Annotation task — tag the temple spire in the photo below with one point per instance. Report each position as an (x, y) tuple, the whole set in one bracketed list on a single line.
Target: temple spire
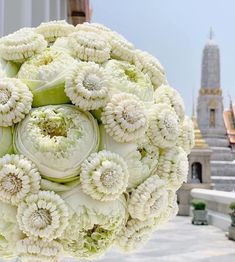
[(211, 34)]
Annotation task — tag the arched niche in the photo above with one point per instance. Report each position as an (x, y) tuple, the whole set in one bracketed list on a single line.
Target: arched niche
[(196, 172)]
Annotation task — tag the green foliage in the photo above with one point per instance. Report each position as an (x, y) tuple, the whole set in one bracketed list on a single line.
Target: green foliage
[(198, 204), (232, 207)]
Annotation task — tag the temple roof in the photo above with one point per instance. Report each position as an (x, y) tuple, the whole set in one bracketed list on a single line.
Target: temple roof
[(210, 75)]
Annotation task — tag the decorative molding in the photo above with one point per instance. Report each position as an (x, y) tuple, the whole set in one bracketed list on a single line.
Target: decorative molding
[(210, 91)]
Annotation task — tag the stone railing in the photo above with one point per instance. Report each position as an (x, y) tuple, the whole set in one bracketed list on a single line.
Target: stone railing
[(217, 204)]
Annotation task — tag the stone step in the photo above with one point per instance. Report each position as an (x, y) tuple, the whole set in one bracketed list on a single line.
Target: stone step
[(223, 168), (223, 183), (222, 154)]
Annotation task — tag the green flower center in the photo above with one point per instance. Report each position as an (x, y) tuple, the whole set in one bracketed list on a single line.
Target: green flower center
[(11, 183), (131, 75), (41, 218), (4, 96), (53, 127)]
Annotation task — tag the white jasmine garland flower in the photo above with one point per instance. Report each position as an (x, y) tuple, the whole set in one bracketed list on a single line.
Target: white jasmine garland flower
[(93, 27), (98, 226), (18, 178), (62, 134), (149, 199), (163, 128), (15, 101), (87, 86), (45, 75), (6, 141), (89, 46), (104, 176), (120, 48), (168, 95), (38, 250), (186, 137), (129, 79), (43, 215), (135, 234), (170, 212), (173, 167), (124, 118), (9, 231), (21, 45), (54, 29), (150, 65)]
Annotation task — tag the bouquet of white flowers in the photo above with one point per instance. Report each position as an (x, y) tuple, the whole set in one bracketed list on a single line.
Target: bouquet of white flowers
[(93, 143)]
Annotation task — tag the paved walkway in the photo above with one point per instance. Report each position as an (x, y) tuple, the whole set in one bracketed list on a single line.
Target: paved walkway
[(180, 241)]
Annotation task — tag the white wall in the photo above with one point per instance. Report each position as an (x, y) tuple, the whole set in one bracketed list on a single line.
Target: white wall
[(15, 14)]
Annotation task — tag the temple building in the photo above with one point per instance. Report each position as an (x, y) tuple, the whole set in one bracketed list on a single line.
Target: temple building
[(79, 11), (211, 122), (229, 120)]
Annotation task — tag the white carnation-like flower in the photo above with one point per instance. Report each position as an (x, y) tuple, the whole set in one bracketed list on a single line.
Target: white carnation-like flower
[(135, 234), (9, 231), (15, 101), (168, 95), (21, 45), (173, 167), (54, 29), (38, 250), (124, 118), (104, 176), (93, 225), (149, 65), (149, 199), (87, 86), (43, 215), (186, 137), (93, 27), (18, 178), (89, 46), (163, 128), (125, 77)]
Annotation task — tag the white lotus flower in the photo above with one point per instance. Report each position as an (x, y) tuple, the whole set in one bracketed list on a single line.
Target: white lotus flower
[(125, 77), (45, 75), (54, 29), (186, 137), (163, 128), (124, 118), (173, 167), (98, 226), (38, 250), (15, 101), (104, 176), (21, 45), (168, 95), (8, 68), (149, 65), (9, 231), (6, 141), (135, 234), (62, 134), (89, 46), (43, 215), (87, 86), (18, 178), (149, 199), (149, 153)]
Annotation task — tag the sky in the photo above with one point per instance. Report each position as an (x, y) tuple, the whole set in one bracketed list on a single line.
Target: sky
[(176, 32)]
